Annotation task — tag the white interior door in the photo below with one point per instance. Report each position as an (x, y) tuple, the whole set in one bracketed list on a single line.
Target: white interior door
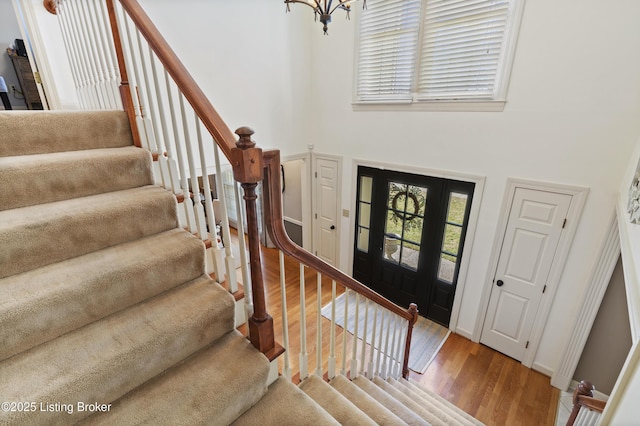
[(326, 210), (534, 228)]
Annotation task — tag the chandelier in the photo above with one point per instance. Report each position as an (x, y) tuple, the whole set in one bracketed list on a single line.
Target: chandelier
[(322, 9)]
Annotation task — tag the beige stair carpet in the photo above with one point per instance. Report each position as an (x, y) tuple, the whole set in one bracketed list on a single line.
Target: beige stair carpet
[(430, 413), (285, 405), (42, 304), (213, 387), (340, 408), (390, 402), (378, 412)]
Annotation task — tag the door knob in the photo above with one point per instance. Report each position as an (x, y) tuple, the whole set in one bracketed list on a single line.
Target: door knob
[(333, 227), (499, 283)]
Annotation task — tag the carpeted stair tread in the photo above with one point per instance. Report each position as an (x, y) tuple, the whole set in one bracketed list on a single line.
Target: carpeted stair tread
[(212, 387), (377, 412), (285, 405), (343, 410), (40, 235), (44, 303), (390, 402), (39, 132), (107, 358), (434, 398), (431, 414), (71, 175)]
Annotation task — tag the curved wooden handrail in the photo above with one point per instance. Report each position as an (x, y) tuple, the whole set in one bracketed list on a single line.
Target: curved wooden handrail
[(51, 6), (195, 96), (275, 226), (583, 397), (592, 403)]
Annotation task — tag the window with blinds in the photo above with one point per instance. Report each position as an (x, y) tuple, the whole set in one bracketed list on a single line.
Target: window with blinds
[(430, 50)]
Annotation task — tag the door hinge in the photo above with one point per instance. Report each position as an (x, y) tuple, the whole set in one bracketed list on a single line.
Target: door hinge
[(316, 175), (36, 76), (544, 288), (564, 223), (527, 345), (316, 215)]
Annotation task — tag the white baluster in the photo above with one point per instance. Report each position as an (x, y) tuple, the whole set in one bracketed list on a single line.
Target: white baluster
[(380, 336), (343, 370), (229, 260), (98, 54), (354, 346), (90, 99), (286, 372), (110, 53), (319, 327), (151, 117), (331, 372), (188, 211), (373, 341), (208, 201), (165, 154), (363, 350), (139, 92), (404, 328), (386, 358), (90, 55), (392, 353), (168, 166), (71, 54), (195, 186), (244, 264), (304, 357)]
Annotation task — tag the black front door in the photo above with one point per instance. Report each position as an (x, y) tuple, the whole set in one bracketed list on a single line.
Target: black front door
[(408, 233)]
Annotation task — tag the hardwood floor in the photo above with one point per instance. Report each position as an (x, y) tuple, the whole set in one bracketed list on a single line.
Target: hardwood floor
[(492, 387)]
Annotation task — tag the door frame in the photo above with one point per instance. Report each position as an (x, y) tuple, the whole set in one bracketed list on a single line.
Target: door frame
[(306, 185), (467, 244), (314, 202), (27, 19), (578, 200)]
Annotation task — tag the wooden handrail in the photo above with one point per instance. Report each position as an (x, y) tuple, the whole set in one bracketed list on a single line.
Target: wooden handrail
[(275, 225), (592, 403), (195, 96), (278, 234), (583, 397)]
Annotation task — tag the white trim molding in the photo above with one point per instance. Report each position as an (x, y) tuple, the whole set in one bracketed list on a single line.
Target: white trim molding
[(563, 375)]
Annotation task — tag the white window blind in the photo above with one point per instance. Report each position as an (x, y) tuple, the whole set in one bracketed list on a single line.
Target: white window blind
[(433, 49), (388, 46)]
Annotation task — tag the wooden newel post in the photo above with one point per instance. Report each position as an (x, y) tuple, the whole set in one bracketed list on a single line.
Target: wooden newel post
[(413, 309), (248, 170), (585, 389)]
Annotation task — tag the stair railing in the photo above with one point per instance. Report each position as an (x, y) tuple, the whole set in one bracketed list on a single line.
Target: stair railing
[(115, 67), (586, 409), (168, 111)]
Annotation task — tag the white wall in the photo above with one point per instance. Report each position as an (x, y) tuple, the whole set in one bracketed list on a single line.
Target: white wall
[(249, 57), (571, 117), (9, 31)]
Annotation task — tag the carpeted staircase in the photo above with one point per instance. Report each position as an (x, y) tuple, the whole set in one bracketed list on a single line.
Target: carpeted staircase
[(107, 315)]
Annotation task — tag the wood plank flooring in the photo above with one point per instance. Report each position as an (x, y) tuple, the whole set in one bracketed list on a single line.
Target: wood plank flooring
[(490, 386)]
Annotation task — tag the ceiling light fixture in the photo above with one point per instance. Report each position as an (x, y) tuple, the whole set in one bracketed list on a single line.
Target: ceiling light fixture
[(323, 9)]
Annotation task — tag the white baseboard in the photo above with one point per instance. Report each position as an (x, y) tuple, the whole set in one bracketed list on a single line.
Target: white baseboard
[(547, 371)]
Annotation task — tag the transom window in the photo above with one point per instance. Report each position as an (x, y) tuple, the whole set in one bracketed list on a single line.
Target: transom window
[(436, 50)]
